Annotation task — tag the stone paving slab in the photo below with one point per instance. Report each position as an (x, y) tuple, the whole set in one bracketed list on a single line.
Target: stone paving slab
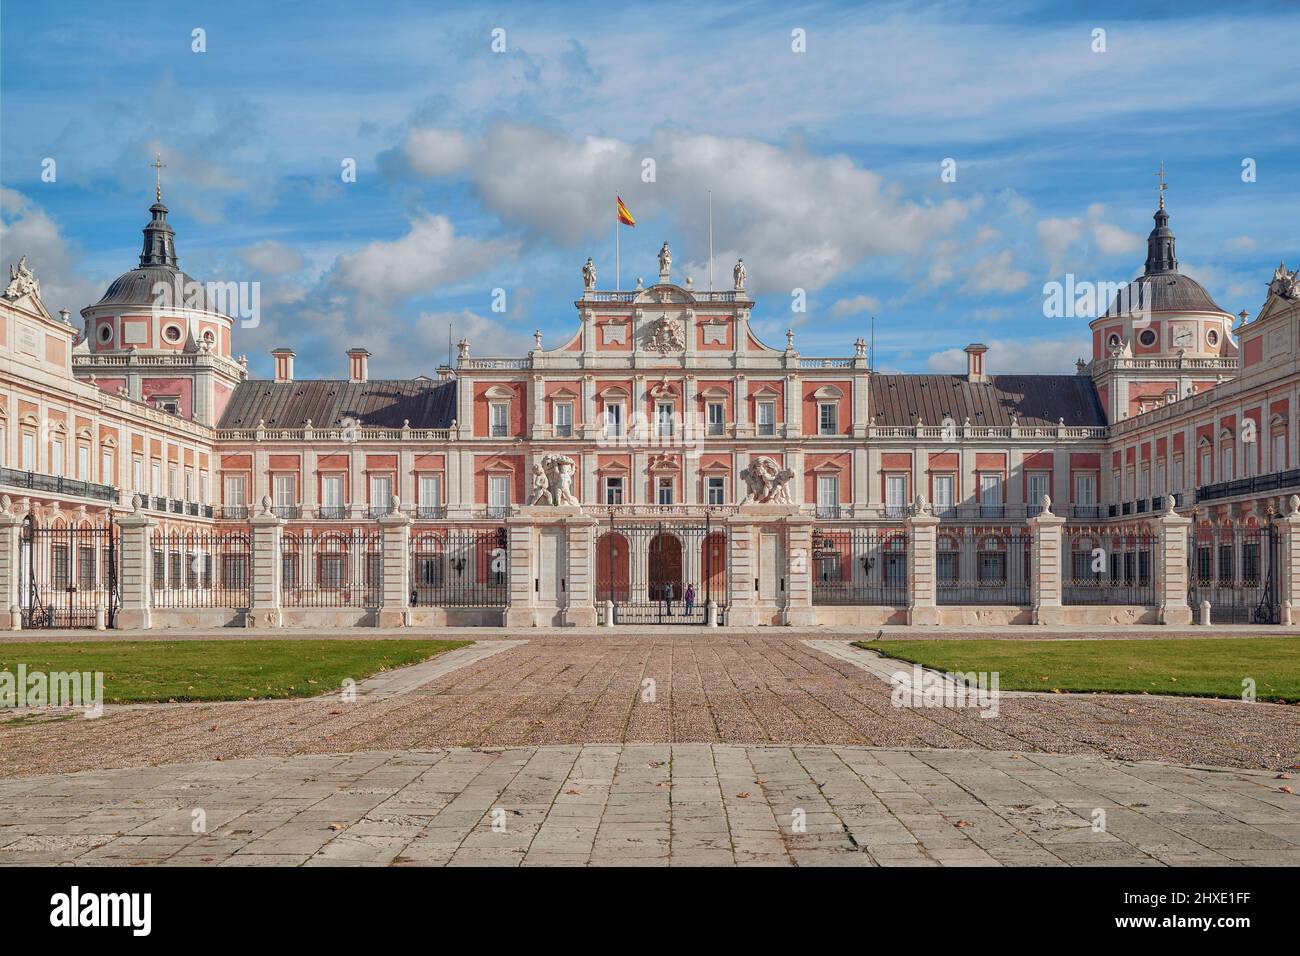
[(653, 804), (651, 688)]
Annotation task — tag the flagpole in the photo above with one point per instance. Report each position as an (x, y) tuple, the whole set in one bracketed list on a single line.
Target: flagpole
[(710, 240), (618, 266)]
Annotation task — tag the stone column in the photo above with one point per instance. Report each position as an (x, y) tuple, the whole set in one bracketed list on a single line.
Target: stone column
[(799, 611), (520, 612), (395, 599), (922, 543), (1173, 533), (580, 610), (1288, 556), (267, 531), (135, 568), (10, 563), (742, 541), (1045, 585)]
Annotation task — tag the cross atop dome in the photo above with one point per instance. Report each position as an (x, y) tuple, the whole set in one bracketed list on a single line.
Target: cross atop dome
[(158, 166)]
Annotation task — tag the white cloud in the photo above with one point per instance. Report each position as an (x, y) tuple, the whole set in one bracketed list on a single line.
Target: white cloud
[(271, 258), (995, 273), (799, 220), (25, 230), (1007, 357), (855, 305), (437, 152), (428, 256), (1241, 243), (1057, 236)]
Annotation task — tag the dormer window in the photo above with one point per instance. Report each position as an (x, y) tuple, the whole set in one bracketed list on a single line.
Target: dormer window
[(168, 403)]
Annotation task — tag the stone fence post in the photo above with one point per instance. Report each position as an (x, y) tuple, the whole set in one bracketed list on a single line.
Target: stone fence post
[(1288, 555), (580, 605), (922, 545), (1173, 534), (1046, 566), (799, 611), (521, 611), (267, 530), (10, 566), (395, 545), (135, 568)]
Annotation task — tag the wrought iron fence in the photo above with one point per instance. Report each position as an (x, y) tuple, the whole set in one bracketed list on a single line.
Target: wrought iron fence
[(665, 573), (975, 565), (1235, 566), (67, 574), (332, 569), (460, 569), (202, 569), (1106, 565), (859, 566)]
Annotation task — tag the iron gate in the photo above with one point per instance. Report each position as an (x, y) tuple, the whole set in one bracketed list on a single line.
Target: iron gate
[(67, 575), (1234, 566), (661, 573)]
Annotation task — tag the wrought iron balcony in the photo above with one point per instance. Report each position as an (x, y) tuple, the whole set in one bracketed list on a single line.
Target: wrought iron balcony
[(234, 512), (1272, 483), (334, 512), (427, 512), (287, 511), (51, 484)]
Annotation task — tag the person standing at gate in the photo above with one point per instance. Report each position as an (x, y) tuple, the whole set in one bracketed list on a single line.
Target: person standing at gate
[(689, 598), (669, 594)]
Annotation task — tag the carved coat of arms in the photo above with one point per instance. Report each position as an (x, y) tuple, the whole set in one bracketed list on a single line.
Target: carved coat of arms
[(666, 336)]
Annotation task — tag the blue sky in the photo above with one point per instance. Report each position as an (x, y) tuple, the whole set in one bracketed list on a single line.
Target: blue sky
[(480, 170)]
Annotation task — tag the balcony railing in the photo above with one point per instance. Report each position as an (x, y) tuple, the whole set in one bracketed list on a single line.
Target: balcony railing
[(287, 511), (1259, 485), (430, 512), (51, 484), (1086, 511), (233, 512), (828, 511), (992, 511), (334, 512)]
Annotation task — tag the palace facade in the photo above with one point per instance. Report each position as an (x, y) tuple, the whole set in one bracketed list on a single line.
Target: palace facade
[(663, 463)]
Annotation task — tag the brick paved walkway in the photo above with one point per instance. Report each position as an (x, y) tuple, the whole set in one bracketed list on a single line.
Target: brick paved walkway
[(655, 804), (558, 689)]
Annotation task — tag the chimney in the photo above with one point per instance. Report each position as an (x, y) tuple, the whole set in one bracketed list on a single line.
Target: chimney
[(357, 365), (283, 364), (975, 362)]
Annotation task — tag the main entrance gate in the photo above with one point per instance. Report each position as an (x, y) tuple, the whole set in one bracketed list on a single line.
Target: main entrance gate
[(661, 573), (1235, 567), (66, 575)]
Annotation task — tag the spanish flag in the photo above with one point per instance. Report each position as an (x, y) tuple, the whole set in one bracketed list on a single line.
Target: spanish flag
[(624, 216)]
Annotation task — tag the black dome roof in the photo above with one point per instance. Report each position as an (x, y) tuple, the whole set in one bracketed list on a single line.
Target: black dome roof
[(158, 263)]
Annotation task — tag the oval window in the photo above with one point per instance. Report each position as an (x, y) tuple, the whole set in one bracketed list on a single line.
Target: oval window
[(1113, 341), (1147, 338), (172, 333), (105, 333), (1212, 337)]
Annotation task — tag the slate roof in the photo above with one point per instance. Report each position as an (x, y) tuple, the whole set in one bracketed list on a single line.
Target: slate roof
[(898, 399), (1163, 292), (380, 403)]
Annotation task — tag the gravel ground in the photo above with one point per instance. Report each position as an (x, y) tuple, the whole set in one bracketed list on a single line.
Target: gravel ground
[(705, 688)]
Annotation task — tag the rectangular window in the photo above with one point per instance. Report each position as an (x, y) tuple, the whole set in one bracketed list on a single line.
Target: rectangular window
[(29, 451), (766, 418), (1038, 488), (1279, 451), (498, 494), (828, 496), (895, 495), (664, 491), (203, 487), (83, 463), (1226, 470), (613, 491), (381, 494), (61, 559), (171, 481), (56, 458), (500, 420), (137, 475), (715, 490), (614, 419), (430, 496), (286, 495), (1117, 486), (943, 494), (155, 478), (189, 484), (1162, 485), (331, 490), (233, 494), (106, 475), (563, 419), (664, 418), (1207, 467), (1248, 454), (333, 570), (990, 496), (717, 418), (1085, 490), (828, 418), (86, 568), (1144, 482), (1178, 474)]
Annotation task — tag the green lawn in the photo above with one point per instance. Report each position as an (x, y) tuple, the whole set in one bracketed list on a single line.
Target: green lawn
[(1201, 668), (137, 671)]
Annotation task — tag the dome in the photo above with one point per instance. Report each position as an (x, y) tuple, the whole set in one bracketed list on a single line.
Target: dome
[(158, 263), (1161, 287), (137, 287), (1163, 292)]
